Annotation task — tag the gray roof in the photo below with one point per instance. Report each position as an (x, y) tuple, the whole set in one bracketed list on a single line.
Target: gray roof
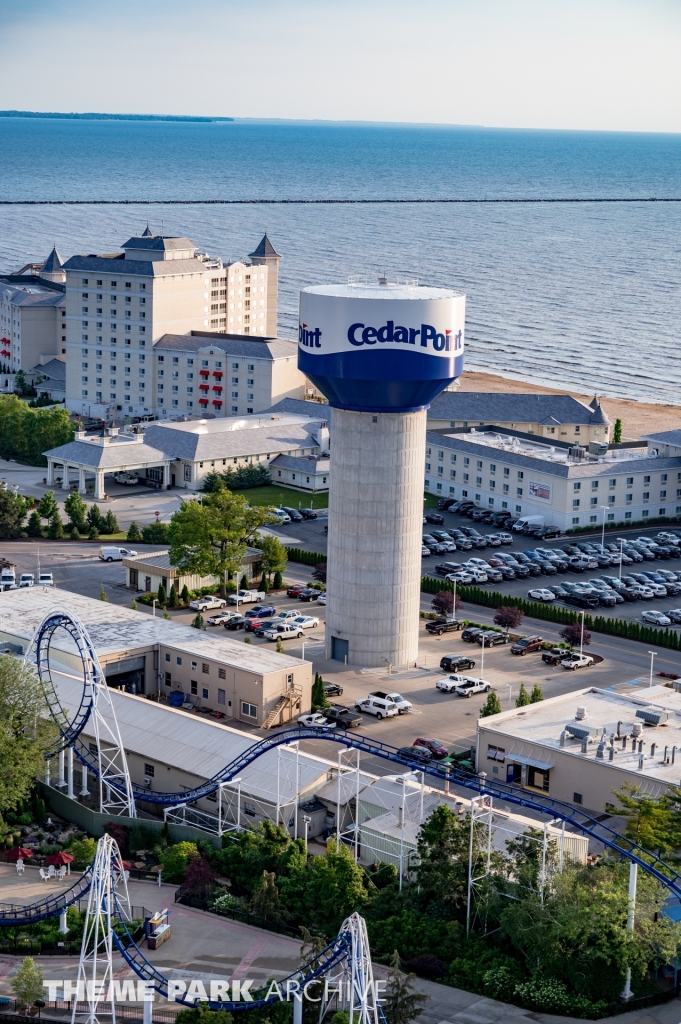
[(53, 263), (159, 243), (302, 408), (666, 437), (147, 233), (306, 464), (55, 370), (264, 248), (216, 439), (463, 443), (116, 264), (496, 407), (109, 457), (230, 344), (161, 559), (30, 295)]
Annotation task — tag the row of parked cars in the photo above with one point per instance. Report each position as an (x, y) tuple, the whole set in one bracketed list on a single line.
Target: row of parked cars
[(285, 514), (532, 526), (441, 542)]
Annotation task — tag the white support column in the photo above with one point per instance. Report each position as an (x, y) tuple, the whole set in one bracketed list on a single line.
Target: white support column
[(99, 484), (82, 489), (61, 782), (83, 789), (69, 791), (65, 477), (63, 927), (166, 476), (50, 472)]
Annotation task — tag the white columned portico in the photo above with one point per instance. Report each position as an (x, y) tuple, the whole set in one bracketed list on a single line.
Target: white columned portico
[(166, 476), (99, 484), (81, 480), (50, 472), (65, 478)]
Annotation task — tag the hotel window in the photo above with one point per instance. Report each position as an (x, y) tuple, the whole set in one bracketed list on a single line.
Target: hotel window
[(478, 464), (452, 458), (492, 467), (427, 467), (594, 485), (466, 461), (507, 471), (506, 488), (519, 492), (646, 495), (646, 479), (478, 481), (520, 474), (575, 502), (611, 499), (612, 483), (663, 494), (663, 478), (628, 497), (630, 482), (576, 487), (452, 474), (594, 501)]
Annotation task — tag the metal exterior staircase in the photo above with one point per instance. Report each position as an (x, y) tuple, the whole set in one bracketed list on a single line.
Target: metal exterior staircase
[(287, 700)]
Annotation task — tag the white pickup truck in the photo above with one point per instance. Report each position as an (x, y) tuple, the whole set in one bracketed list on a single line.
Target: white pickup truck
[(380, 704), (283, 631), (247, 597)]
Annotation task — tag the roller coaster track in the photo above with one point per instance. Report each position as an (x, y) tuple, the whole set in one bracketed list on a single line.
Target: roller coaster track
[(12, 915)]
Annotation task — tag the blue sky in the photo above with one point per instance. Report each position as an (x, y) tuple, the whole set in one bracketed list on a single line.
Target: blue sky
[(590, 64)]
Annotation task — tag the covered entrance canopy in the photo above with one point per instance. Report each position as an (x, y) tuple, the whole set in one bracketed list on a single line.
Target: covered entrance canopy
[(113, 453)]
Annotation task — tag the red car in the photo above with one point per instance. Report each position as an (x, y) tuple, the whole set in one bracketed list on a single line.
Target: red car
[(252, 624), (296, 590), (436, 748)]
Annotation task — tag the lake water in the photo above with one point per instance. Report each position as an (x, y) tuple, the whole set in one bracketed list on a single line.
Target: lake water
[(578, 295)]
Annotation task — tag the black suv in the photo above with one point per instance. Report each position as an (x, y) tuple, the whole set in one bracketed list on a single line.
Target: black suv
[(456, 662), (544, 532), (443, 625), (470, 633), (293, 514), (333, 690), (582, 600), (434, 517), (444, 504), (490, 638)]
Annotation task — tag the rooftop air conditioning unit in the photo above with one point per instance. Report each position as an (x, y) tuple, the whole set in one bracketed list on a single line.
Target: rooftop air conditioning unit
[(577, 452), (599, 448), (653, 716), (581, 732)]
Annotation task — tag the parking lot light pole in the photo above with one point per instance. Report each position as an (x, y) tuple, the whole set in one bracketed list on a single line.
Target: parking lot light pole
[(482, 658), (153, 607), (581, 638), (605, 509), (652, 658), (621, 552)]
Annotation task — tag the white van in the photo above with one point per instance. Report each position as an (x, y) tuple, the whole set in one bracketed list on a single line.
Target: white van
[(109, 553), (520, 524)]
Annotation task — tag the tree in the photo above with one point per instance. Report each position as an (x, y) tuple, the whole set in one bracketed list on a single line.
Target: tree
[(47, 505), (492, 705), (133, 533), (93, 533), (617, 432), (244, 582), (26, 433), (56, 528), (175, 859), (508, 617), (279, 646), (35, 526), (318, 695), (273, 555), (574, 635), (102, 594), (20, 385), (28, 982), (536, 694), (197, 622), (318, 573), (95, 517), (650, 820), (76, 510), (202, 1014), (277, 582), (110, 523), (442, 869), (25, 735), (523, 698), (172, 597), (266, 901), (83, 851), (335, 887), (162, 596), (199, 877), (264, 585), (443, 602), (210, 538), (155, 533), (74, 534), (12, 512), (185, 594), (401, 1003)]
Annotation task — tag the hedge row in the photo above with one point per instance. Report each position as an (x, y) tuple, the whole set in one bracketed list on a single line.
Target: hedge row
[(304, 557), (598, 623), (628, 524)]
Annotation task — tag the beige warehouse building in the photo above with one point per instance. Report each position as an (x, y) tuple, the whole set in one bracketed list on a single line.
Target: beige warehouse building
[(582, 747)]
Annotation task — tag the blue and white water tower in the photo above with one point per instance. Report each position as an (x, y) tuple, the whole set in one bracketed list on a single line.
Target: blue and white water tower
[(380, 354)]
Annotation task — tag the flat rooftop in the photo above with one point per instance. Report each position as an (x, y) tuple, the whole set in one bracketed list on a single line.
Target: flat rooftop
[(122, 631), (533, 732), (545, 450)]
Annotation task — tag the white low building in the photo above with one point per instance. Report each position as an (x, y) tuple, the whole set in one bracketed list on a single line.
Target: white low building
[(569, 485)]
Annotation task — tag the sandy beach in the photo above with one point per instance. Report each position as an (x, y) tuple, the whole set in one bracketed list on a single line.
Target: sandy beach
[(638, 418)]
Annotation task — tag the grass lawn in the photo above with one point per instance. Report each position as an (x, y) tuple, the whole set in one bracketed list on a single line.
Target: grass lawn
[(278, 496), (431, 500)]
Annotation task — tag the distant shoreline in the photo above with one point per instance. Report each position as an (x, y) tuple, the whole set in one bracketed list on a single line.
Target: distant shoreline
[(54, 115)]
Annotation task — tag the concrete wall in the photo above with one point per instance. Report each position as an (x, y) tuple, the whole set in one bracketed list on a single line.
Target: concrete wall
[(375, 526)]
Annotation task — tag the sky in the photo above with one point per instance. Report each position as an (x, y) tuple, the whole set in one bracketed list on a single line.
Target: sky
[(572, 64)]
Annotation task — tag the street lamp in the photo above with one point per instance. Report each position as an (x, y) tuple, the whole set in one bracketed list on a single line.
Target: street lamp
[(605, 509), (153, 606), (581, 638), (621, 553), (652, 658), (306, 821)]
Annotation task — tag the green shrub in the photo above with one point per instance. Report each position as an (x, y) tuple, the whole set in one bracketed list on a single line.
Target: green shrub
[(83, 851), (312, 558), (174, 860), (155, 533), (133, 533), (278, 581), (185, 594)]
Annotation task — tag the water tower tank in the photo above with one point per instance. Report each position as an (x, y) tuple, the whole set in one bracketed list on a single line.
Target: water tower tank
[(380, 354)]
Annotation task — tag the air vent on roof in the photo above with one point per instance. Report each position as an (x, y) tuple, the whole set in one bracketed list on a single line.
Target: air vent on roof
[(651, 716), (581, 732), (581, 714)]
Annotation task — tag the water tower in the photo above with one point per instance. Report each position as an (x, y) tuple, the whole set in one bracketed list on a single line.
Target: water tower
[(380, 354)]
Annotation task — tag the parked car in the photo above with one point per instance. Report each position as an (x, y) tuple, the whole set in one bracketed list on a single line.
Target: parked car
[(675, 615), (470, 633), (285, 616), (554, 656), (322, 597), (45, 579), (204, 604), (544, 532), (450, 683), (308, 513), (246, 597), (111, 553), (526, 644), (443, 625), (415, 754), (437, 749), (425, 552), (296, 589), (292, 513), (471, 686), (265, 611), (236, 622), (457, 662), (282, 631), (343, 717), (315, 721), (582, 600), (373, 705), (491, 638), (460, 576), (309, 594), (27, 579), (434, 517), (541, 595), (333, 690), (219, 618), (256, 626), (305, 621), (655, 618), (575, 660), (281, 516)]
